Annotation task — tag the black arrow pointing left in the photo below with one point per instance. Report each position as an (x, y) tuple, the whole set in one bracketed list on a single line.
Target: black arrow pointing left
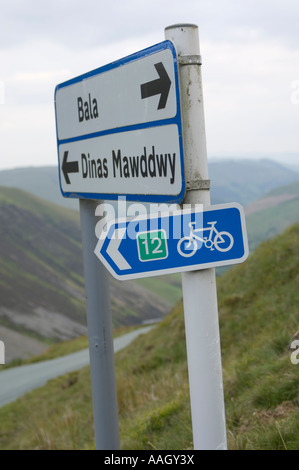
[(68, 167)]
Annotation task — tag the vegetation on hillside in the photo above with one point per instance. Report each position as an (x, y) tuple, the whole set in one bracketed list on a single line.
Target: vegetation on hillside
[(267, 222), (244, 181), (40, 257), (41, 273), (258, 306)]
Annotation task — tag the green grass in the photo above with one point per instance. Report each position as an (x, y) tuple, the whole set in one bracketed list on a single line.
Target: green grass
[(258, 305), (27, 201), (41, 260), (267, 223), (258, 308), (292, 188), (168, 287), (57, 416)]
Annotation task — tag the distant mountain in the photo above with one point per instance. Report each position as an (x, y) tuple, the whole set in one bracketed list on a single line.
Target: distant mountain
[(240, 181), (41, 275), (272, 213), (40, 181), (244, 181)]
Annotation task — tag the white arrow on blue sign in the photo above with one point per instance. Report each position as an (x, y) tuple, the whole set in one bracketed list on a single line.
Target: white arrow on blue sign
[(183, 240)]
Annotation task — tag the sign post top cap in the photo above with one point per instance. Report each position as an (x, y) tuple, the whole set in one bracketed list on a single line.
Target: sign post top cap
[(181, 25)]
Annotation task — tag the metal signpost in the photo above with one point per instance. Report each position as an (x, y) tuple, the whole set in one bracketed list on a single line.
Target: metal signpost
[(199, 287), (100, 337), (119, 133), (182, 241), (119, 130)]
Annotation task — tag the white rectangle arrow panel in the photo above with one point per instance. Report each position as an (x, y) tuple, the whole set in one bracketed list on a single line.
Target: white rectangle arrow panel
[(109, 118), (128, 163), (111, 97)]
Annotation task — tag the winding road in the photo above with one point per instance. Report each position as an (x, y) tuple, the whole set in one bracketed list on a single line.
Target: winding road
[(17, 381)]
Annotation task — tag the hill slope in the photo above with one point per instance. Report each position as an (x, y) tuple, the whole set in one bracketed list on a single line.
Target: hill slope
[(40, 266), (258, 305), (258, 308), (244, 181), (41, 276), (43, 182), (272, 213), (236, 180)]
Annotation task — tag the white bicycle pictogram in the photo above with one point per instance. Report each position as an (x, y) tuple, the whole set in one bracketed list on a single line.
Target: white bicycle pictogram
[(187, 246)]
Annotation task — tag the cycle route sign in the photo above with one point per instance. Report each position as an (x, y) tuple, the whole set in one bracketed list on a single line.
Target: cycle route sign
[(183, 240)]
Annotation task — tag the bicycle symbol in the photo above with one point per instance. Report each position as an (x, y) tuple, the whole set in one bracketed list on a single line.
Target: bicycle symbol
[(222, 241)]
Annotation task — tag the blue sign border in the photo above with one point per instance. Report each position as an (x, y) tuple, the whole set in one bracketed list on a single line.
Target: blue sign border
[(231, 217), (163, 122)]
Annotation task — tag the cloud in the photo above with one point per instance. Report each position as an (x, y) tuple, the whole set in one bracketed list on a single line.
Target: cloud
[(248, 103), (250, 56), (74, 24), (27, 136), (80, 25)]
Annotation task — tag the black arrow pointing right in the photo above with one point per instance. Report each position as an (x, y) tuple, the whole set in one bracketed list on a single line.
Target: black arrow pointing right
[(68, 167), (161, 86)]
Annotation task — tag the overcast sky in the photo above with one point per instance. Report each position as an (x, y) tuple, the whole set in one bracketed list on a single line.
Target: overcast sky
[(250, 52)]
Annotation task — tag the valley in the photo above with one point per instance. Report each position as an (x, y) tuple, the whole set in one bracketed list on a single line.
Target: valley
[(42, 282)]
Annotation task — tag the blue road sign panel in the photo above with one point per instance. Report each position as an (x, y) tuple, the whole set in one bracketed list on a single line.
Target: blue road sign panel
[(174, 242), (119, 130)]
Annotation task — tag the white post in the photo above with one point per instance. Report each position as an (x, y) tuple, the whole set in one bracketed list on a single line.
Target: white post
[(199, 287)]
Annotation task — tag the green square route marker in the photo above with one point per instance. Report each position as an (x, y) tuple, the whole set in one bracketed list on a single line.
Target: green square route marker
[(152, 245)]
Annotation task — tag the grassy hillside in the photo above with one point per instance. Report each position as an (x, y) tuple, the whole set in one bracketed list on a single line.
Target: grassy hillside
[(244, 181), (43, 182), (258, 306), (272, 214), (42, 290), (270, 189), (232, 180), (40, 261)]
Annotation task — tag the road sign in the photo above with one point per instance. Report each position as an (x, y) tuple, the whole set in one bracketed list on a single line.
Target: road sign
[(119, 129), (174, 242)]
